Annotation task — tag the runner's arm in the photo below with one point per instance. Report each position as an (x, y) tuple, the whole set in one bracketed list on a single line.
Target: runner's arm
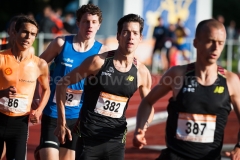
[(48, 55), (54, 48), (146, 105), (90, 66), (144, 89), (234, 87), (44, 83)]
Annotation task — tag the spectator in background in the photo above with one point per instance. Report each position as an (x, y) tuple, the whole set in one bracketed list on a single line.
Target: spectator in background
[(58, 29), (69, 23), (221, 19), (46, 25), (159, 34), (181, 35), (232, 35), (231, 30), (31, 15), (170, 44)]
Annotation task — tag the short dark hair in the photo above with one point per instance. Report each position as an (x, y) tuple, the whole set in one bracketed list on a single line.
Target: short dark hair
[(89, 8), (13, 19), (203, 23), (130, 18), (24, 19)]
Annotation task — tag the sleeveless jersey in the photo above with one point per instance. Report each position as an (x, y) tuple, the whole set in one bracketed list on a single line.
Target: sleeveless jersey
[(23, 76), (64, 63), (197, 118), (105, 102)]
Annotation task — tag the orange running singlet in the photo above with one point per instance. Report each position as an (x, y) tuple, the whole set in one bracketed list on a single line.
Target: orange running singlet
[(23, 76)]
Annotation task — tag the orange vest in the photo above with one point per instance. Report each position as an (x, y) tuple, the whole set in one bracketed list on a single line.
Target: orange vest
[(23, 76)]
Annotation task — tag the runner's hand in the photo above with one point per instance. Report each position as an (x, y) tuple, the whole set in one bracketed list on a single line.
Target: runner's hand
[(234, 155), (10, 92), (61, 132), (35, 116), (139, 139)]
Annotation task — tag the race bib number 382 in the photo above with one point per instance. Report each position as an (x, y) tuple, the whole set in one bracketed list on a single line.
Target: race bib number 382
[(16, 105), (110, 105), (196, 127)]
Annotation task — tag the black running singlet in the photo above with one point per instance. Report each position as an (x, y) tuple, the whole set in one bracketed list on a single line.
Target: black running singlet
[(105, 101), (197, 118)]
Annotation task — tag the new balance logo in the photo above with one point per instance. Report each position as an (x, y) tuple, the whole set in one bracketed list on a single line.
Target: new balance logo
[(130, 78), (219, 89)]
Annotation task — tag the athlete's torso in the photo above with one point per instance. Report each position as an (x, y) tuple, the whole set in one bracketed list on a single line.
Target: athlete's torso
[(197, 118), (64, 63), (106, 99), (22, 75)]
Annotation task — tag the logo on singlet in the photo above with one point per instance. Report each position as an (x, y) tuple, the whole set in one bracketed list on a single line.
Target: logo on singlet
[(26, 81), (111, 70), (68, 60), (8, 71), (191, 87), (106, 74), (219, 89), (130, 78)]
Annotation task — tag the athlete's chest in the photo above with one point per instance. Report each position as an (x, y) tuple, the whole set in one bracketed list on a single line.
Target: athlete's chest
[(112, 80), (25, 72), (195, 97)]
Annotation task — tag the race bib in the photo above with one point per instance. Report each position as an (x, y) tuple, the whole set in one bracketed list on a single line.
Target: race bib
[(196, 127), (15, 105), (110, 105), (73, 97)]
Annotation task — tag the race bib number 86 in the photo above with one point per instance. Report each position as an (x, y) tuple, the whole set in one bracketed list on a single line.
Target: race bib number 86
[(196, 127), (16, 105), (110, 105)]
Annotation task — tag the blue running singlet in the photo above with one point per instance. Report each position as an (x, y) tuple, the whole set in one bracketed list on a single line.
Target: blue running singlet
[(64, 63)]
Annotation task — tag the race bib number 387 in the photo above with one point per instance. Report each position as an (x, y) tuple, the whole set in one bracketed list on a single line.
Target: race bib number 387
[(110, 105), (196, 127), (16, 105)]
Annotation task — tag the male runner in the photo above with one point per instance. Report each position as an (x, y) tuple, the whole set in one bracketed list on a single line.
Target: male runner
[(201, 101), (68, 52), (19, 72), (112, 79)]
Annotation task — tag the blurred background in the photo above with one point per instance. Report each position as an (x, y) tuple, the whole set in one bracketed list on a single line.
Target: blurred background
[(168, 32)]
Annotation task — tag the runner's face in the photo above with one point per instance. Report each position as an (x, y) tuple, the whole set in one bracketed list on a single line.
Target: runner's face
[(25, 36), (88, 25), (210, 44), (130, 37)]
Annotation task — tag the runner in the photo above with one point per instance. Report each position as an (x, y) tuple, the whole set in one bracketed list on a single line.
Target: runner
[(68, 52), (112, 79), (201, 101), (20, 70)]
